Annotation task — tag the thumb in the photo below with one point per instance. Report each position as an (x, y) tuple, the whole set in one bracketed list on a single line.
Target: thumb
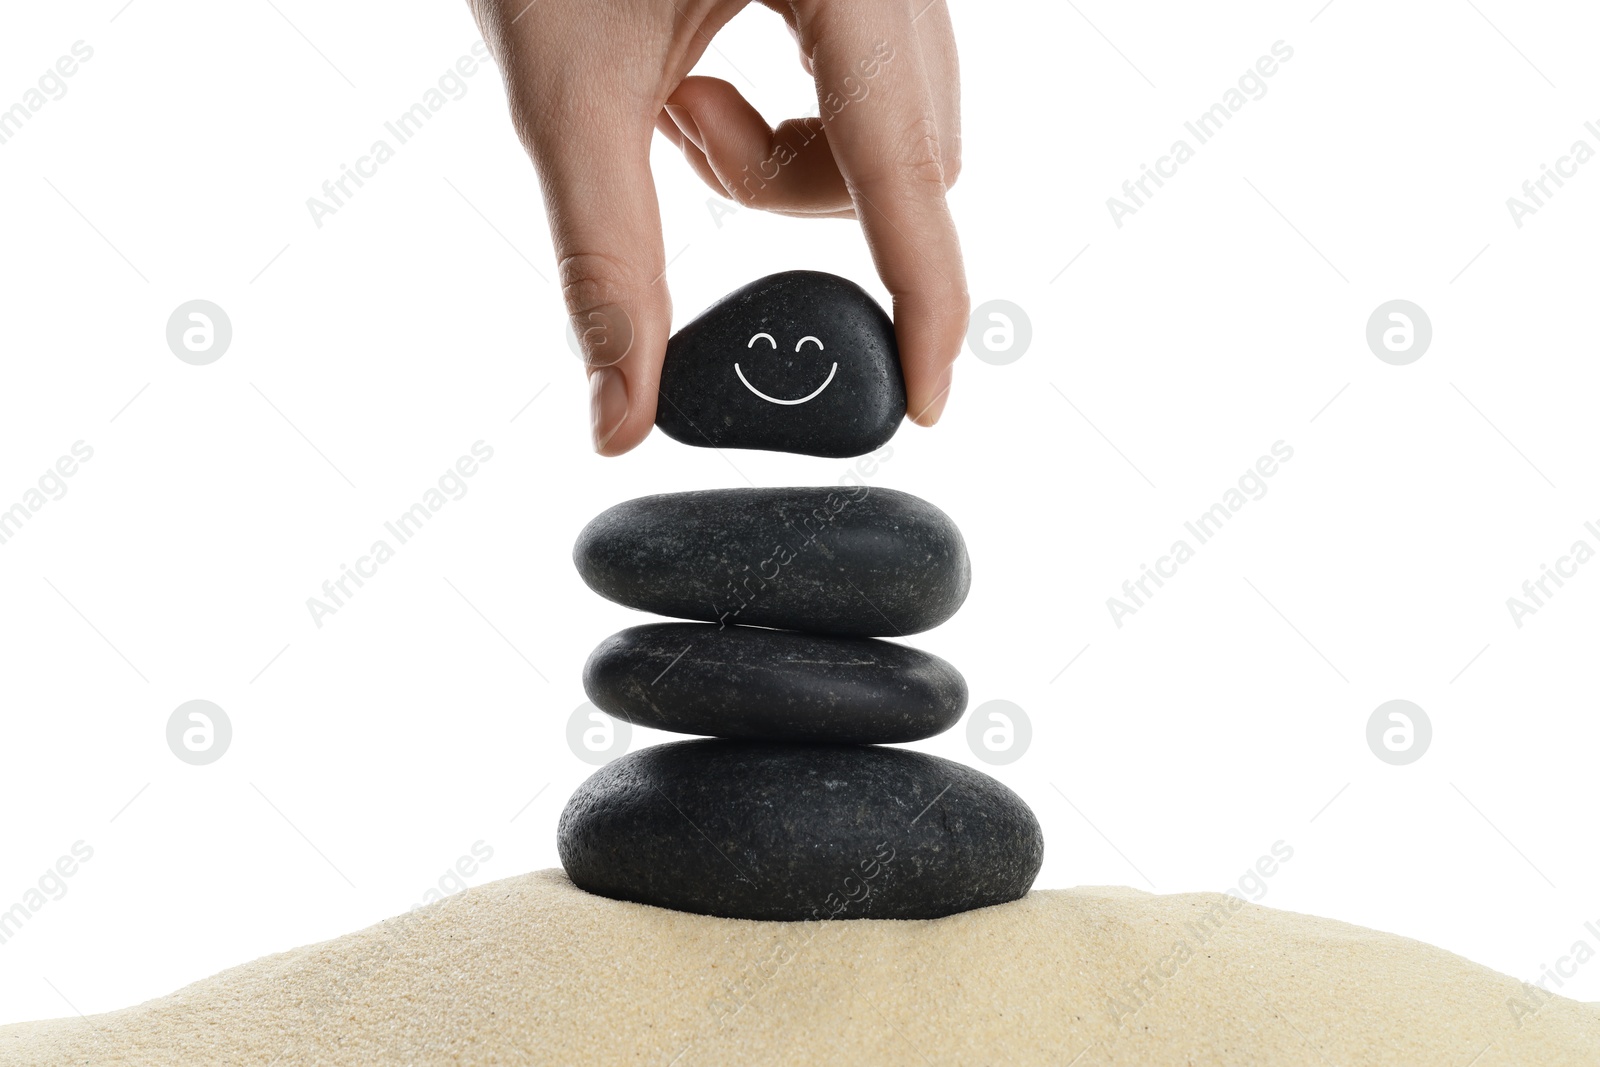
[(606, 225)]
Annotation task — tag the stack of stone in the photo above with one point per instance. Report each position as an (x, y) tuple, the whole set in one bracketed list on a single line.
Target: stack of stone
[(791, 808)]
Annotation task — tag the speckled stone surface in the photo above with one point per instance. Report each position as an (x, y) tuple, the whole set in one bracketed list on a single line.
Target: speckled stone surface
[(795, 362), (745, 681), (765, 830), (848, 560)]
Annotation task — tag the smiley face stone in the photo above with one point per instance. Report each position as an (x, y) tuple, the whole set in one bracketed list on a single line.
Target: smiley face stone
[(800, 362)]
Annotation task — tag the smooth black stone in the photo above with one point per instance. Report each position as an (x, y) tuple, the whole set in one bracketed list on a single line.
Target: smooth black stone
[(851, 560), (772, 830), (743, 681), (716, 364)]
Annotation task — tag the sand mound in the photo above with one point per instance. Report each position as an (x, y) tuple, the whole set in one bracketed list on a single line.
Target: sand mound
[(531, 970)]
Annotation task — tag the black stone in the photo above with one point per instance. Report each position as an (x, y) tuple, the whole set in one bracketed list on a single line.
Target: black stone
[(786, 336), (853, 560), (769, 830), (742, 681)]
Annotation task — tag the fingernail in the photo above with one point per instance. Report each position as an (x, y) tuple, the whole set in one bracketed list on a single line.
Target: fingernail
[(608, 404), (935, 407), (686, 125)]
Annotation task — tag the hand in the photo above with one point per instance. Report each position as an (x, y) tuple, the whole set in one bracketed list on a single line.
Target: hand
[(588, 81)]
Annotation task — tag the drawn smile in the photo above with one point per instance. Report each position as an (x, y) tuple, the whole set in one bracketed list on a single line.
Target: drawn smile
[(775, 400)]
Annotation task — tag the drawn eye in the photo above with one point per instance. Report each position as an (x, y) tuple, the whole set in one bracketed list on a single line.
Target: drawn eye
[(813, 340), (759, 336)]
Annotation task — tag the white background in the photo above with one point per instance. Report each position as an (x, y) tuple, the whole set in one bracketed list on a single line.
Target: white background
[(1228, 314)]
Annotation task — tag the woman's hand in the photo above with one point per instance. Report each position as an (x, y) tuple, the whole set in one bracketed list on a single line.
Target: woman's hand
[(588, 82)]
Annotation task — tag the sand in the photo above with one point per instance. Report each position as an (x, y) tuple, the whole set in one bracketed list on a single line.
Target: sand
[(531, 970)]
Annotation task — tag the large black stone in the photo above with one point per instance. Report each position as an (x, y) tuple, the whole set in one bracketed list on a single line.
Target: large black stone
[(769, 830), (795, 362), (743, 681), (850, 560)]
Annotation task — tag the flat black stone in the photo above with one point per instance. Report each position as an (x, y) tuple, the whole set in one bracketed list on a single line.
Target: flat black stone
[(796, 362), (854, 560), (743, 681), (771, 830)]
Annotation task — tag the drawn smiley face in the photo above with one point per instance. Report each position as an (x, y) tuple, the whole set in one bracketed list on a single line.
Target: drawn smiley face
[(771, 341)]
